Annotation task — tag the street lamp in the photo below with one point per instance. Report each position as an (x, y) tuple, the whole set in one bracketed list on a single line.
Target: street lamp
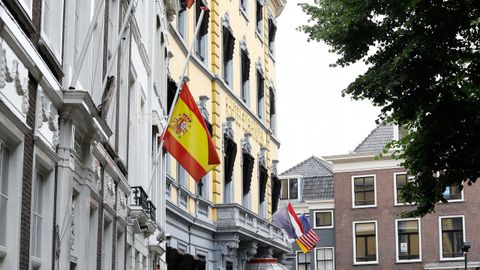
[(464, 248)]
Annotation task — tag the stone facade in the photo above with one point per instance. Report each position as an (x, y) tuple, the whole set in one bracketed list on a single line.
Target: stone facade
[(83, 87)]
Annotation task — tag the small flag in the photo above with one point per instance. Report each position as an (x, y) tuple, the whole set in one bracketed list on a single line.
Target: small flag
[(309, 239), (286, 219), (187, 138)]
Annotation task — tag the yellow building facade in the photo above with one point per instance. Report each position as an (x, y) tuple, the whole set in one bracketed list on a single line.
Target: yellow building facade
[(224, 221)]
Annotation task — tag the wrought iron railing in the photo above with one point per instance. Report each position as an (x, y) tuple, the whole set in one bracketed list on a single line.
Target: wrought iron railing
[(151, 211), (140, 197)]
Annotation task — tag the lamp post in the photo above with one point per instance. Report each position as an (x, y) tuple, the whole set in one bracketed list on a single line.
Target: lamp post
[(464, 248)]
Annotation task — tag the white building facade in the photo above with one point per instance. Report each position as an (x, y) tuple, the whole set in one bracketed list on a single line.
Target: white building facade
[(82, 97)]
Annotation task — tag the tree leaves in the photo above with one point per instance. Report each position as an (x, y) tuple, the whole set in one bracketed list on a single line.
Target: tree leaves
[(425, 74)]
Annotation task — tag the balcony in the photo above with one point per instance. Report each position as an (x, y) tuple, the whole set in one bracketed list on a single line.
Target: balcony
[(234, 218), (143, 210)]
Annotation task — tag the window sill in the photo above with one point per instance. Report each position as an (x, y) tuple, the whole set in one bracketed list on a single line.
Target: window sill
[(3, 252), (409, 261), (452, 259), (36, 262), (364, 206), (323, 227), (365, 263), (244, 14), (259, 36)]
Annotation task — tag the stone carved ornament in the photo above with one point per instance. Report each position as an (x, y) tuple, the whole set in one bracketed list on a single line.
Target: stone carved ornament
[(46, 115), (228, 127), (245, 142), (11, 75)]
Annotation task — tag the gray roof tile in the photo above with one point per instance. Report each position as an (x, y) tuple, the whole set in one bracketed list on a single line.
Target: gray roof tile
[(376, 140), (318, 178)]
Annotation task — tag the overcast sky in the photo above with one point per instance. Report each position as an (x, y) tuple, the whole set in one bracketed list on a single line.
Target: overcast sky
[(313, 118)]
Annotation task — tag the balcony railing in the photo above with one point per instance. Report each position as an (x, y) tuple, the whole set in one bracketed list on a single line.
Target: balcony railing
[(140, 198), (151, 210)]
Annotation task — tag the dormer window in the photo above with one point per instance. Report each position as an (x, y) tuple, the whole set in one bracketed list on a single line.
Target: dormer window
[(290, 189)]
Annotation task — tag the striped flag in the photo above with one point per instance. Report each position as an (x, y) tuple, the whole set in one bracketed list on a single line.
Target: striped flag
[(187, 138), (309, 239), (286, 219)]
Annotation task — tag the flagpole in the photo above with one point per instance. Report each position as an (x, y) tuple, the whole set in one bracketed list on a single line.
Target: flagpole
[(177, 92)]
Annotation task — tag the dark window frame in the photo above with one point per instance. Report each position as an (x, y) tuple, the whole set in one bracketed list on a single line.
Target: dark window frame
[(364, 190)]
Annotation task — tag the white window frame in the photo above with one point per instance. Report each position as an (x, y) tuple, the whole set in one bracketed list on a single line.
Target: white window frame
[(440, 236), (315, 226), (462, 199), (299, 189), (44, 35), (419, 240), (374, 191), (37, 178), (355, 242), (28, 9), (409, 178), (296, 259), (4, 153), (315, 255)]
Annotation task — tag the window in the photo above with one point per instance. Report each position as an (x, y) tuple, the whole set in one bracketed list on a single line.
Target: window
[(37, 216), (201, 42), (408, 240), (181, 175), (259, 17), (245, 91), (323, 219), (289, 189), (324, 259), (401, 179), (365, 242), (453, 193), (229, 266), (228, 43), (3, 193), (272, 31), (52, 25), (168, 164), (27, 6), (273, 117), (260, 94), (303, 261), (364, 191), (453, 235), (202, 187), (182, 20)]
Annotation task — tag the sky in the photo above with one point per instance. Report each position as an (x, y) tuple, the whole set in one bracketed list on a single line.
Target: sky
[(313, 118)]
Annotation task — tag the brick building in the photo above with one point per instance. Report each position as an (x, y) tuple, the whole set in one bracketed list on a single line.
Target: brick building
[(369, 232)]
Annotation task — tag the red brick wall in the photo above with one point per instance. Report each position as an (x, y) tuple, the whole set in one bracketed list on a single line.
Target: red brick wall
[(385, 213)]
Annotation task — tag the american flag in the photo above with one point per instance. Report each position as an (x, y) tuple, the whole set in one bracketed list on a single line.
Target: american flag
[(309, 239)]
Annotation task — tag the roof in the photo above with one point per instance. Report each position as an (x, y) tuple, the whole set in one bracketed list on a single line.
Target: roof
[(317, 177), (376, 140)]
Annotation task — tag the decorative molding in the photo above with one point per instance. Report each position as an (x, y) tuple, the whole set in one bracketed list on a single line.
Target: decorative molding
[(248, 251), (202, 106), (274, 167), (12, 76), (259, 66), (228, 127), (262, 156), (225, 247), (226, 22), (245, 143), (243, 44)]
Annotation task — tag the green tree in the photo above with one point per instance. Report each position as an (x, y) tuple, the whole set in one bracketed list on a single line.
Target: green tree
[(424, 71)]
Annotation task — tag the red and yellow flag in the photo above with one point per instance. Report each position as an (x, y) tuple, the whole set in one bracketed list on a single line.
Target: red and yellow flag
[(187, 138)]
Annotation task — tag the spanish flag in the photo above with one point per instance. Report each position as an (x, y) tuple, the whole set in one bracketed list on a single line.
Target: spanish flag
[(187, 138)]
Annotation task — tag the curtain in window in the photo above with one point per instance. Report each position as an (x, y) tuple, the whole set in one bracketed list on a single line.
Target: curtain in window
[(248, 162)]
